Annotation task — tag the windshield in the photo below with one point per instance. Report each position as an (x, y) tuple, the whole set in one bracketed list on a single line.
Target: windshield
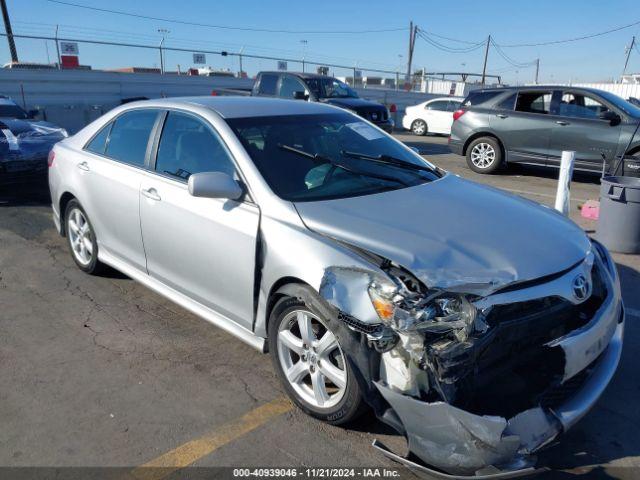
[(10, 110), (330, 88), (627, 107), (321, 157)]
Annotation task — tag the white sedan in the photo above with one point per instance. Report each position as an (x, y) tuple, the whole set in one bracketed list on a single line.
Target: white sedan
[(432, 116)]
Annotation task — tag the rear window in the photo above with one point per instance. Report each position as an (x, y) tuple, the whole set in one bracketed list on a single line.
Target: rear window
[(476, 98), (268, 83)]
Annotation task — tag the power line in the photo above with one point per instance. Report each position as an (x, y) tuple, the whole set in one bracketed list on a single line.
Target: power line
[(509, 59), (447, 48), (224, 27), (575, 39)]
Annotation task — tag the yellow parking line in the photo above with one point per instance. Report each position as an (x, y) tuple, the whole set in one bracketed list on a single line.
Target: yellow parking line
[(189, 452)]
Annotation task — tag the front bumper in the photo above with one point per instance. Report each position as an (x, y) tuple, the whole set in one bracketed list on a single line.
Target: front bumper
[(466, 444)]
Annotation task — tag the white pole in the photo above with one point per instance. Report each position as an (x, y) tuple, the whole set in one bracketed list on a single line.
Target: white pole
[(563, 195)]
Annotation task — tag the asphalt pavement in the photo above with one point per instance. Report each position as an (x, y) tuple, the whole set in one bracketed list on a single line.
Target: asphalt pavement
[(101, 372)]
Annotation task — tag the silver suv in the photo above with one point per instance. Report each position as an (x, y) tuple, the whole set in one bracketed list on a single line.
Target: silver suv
[(533, 125), (371, 276)]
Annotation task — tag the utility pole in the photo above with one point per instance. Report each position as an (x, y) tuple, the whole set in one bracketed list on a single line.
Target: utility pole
[(412, 41), (537, 69), (7, 27), (486, 55), (59, 60), (624, 70)]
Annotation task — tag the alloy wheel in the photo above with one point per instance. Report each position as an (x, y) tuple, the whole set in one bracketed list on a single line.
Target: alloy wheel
[(483, 155), (311, 359), (80, 236), (419, 127)]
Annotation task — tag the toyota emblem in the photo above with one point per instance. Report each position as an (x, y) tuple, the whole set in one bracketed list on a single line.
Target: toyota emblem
[(580, 287)]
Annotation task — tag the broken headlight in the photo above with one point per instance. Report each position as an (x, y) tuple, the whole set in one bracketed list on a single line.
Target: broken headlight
[(439, 312)]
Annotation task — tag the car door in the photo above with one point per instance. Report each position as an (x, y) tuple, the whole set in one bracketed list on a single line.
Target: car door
[(523, 122), (204, 248), (578, 128), (437, 116), (114, 168), (289, 85)]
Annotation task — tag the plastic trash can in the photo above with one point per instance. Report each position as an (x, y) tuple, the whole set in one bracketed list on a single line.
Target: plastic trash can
[(619, 220)]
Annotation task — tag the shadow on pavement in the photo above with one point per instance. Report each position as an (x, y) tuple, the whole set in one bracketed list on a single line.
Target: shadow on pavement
[(25, 195)]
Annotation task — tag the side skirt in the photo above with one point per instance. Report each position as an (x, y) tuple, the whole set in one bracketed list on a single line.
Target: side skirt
[(196, 308)]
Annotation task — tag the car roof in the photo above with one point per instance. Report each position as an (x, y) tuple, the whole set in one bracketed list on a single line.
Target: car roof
[(298, 74), (536, 88), (241, 106)]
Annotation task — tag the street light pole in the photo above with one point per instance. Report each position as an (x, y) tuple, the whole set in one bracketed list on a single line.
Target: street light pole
[(162, 31), (304, 51)]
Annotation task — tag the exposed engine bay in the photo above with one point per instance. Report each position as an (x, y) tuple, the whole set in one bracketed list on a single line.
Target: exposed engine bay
[(477, 383)]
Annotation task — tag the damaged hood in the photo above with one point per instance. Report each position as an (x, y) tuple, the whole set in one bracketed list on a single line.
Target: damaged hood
[(454, 234), (27, 139)]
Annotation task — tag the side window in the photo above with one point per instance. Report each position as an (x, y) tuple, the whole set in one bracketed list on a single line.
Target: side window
[(439, 106), (580, 106), (188, 146), (289, 85), (268, 82), (478, 97), (508, 103), (130, 135), (99, 142), (534, 102), (453, 106)]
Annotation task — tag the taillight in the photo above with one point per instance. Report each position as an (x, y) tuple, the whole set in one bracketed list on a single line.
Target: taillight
[(457, 114), (393, 108), (51, 158)]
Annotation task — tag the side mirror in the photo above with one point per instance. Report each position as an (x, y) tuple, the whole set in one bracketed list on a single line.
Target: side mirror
[(300, 96), (33, 113), (214, 185), (612, 117)]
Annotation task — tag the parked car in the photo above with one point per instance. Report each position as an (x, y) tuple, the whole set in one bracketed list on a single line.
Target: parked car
[(432, 116), (24, 144), (321, 88), (479, 333), (535, 124)]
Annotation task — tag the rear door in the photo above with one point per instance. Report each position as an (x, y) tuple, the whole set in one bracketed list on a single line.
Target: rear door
[(579, 128), (114, 169), (202, 247), (524, 123), (438, 116)]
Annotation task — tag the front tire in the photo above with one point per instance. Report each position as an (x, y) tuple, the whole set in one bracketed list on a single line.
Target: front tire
[(81, 238), (484, 155), (309, 360), (419, 127)]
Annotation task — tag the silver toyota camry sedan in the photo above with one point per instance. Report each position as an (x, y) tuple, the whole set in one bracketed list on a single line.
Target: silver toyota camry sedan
[(476, 323)]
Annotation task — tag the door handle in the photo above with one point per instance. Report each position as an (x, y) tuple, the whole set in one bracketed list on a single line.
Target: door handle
[(151, 193), (501, 115), (84, 166), (562, 122)]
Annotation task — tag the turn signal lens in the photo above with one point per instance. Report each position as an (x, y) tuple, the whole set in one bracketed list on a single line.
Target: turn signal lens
[(51, 158), (384, 308)]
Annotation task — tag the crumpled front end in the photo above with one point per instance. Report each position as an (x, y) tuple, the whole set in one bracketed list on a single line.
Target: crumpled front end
[(479, 382), (24, 147)]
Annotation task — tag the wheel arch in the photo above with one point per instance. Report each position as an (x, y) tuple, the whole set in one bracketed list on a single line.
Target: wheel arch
[(65, 198), (284, 287), (485, 134)]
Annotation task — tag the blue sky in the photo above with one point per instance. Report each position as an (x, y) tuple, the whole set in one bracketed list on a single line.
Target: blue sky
[(510, 22)]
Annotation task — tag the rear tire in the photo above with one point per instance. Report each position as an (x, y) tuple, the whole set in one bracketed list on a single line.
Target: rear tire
[(320, 380), (484, 155), (81, 238), (419, 127)]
